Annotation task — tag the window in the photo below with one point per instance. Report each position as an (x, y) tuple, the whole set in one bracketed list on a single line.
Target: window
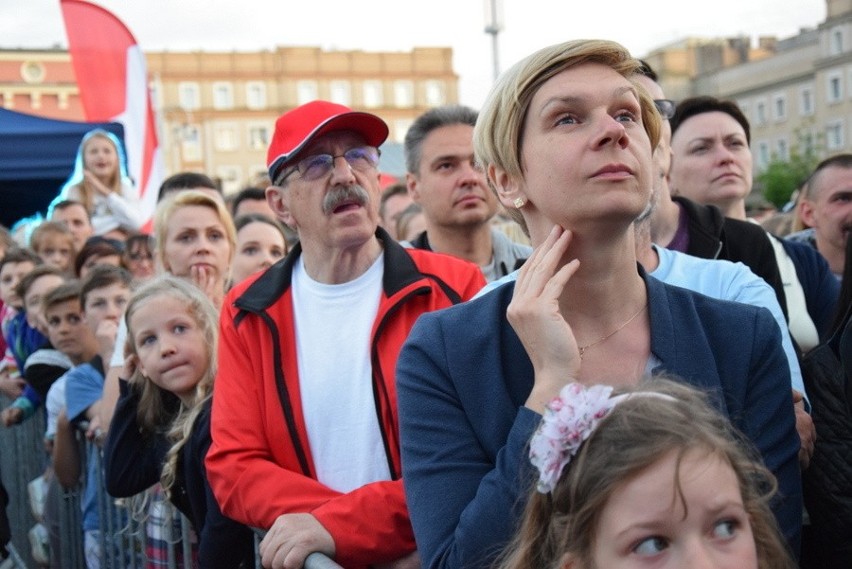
[(435, 95), (760, 113), (779, 108), (834, 139), (806, 141), (806, 101), (762, 154), (306, 91), (190, 142), (188, 96), (836, 46), (223, 96), (745, 108), (255, 95), (230, 177), (258, 137), (225, 137), (373, 94), (403, 93), (400, 128), (341, 92), (782, 150), (834, 87)]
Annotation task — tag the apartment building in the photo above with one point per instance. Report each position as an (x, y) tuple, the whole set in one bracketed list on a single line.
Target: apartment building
[(216, 110), (796, 92)]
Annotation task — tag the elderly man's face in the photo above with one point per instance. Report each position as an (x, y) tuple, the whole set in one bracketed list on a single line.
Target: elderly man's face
[(337, 210)]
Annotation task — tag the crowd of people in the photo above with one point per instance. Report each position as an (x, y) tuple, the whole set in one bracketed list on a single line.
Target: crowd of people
[(559, 342)]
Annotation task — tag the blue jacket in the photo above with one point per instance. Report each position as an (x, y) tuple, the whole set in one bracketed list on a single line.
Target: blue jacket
[(463, 377)]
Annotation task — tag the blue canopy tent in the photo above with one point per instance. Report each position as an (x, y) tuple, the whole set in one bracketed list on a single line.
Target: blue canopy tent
[(36, 157)]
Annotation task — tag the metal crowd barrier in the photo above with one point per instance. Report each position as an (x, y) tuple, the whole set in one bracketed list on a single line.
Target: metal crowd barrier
[(22, 458), (123, 537)]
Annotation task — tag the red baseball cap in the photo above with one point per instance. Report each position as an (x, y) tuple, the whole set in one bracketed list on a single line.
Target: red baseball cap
[(296, 128)]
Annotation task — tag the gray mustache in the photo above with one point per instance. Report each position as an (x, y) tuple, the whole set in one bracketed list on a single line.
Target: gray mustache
[(342, 194)]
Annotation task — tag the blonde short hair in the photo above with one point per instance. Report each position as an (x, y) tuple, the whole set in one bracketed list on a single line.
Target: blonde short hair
[(498, 131), (167, 208)]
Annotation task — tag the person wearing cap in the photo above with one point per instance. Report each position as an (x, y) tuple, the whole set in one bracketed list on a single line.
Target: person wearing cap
[(305, 425)]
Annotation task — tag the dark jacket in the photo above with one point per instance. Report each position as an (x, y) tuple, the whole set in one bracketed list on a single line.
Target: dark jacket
[(713, 236), (463, 377), (133, 461)]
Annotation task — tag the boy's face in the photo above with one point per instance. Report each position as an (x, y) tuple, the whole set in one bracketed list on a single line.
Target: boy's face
[(68, 333), (10, 275), (32, 300), (105, 304), (57, 251)]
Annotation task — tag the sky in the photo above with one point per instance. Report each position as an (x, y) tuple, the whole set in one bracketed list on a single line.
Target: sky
[(400, 25)]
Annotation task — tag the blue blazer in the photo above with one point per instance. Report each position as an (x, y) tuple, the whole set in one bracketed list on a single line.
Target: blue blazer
[(463, 377)]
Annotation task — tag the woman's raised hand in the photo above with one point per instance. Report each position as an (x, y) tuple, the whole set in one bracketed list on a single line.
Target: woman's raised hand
[(535, 316)]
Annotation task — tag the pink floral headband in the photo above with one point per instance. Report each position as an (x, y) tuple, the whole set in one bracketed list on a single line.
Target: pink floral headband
[(568, 420)]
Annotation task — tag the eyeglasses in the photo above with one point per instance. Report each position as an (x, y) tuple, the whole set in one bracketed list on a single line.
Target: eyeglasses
[(361, 158), (666, 107)]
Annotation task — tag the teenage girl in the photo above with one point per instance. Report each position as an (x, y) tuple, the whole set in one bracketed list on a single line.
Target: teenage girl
[(161, 428), (651, 477), (100, 182)]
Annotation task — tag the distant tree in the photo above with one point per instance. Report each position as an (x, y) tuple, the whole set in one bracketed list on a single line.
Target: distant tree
[(782, 177)]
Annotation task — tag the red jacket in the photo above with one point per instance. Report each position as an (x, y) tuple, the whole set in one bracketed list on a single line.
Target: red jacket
[(260, 464)]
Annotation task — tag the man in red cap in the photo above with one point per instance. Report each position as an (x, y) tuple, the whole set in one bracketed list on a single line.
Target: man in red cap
[(305, 426)]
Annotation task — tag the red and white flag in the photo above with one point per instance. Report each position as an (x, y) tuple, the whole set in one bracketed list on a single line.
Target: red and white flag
[(113, 83)]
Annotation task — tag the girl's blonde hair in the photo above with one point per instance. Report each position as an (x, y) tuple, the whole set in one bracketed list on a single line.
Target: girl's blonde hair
[(500, 126), (167, 208), (633, 436), (158, 411)]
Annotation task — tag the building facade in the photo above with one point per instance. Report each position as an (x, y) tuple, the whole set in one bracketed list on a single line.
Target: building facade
[(216, 110), (796, 92)]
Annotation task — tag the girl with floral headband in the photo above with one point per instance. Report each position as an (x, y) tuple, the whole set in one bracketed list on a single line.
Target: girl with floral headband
[(650, 477)]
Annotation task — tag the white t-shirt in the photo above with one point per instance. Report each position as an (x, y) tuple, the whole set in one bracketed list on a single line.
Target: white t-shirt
[(333, 329)]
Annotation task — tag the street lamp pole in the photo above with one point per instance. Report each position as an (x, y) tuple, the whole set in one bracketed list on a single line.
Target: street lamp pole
[(493, 26)]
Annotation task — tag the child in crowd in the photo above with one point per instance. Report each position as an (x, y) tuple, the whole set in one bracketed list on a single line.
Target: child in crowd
[(653, 476), (100, 182), (161, 427), (45, 365), (104, 294), (261, 242), (97, 251), (54, 243), (21, 340), (68, 334), (138, 257)]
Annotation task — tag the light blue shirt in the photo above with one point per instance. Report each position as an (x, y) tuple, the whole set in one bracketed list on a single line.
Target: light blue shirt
[(717, 279)]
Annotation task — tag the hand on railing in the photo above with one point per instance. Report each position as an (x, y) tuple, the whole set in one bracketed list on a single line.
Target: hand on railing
[(315, 560)]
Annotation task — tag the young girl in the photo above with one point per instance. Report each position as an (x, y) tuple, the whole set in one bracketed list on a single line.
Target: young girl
[(651, 477), (260, 243), (161, 428), (100, 182)]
